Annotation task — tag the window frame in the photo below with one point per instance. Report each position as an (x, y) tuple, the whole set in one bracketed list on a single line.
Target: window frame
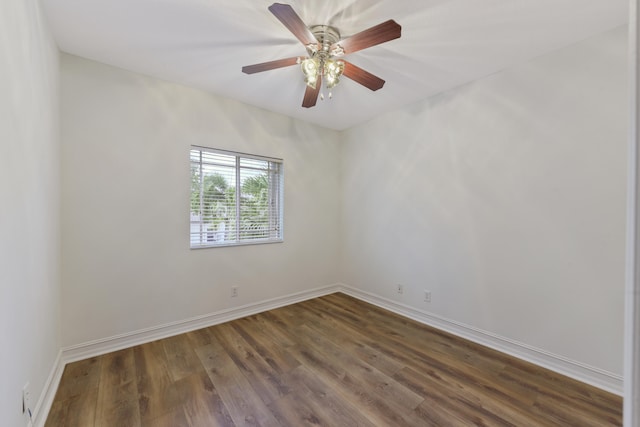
[(275, 197)]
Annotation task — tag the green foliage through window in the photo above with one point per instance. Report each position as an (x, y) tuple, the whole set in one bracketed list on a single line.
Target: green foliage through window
[(219, 216)]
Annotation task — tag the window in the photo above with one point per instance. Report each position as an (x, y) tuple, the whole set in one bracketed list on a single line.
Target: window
[(236, 198)]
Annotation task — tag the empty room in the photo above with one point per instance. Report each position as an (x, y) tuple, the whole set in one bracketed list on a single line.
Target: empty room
[(339, 213)]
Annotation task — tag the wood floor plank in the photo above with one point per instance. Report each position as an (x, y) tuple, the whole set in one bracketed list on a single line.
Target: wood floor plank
[(76, 399), (333, 361), (78, 410), (240, 399), (79, 377), (381, 399), (174, 417), (294, 410), (156, 393), (118, 391), (199, 337), (274, 324), (565, 413), (464, 399), (421, 357), (349, 339), (204, 406), (361, 372), (276, 356), (267, 382), (431, 413), (543, 382), (326, 400), (118, 405), (182, 360)]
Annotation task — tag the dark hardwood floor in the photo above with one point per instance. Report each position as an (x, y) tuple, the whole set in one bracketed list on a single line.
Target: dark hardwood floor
[(331, 361)]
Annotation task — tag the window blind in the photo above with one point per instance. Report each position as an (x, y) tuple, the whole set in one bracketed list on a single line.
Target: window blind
[(236, 198)]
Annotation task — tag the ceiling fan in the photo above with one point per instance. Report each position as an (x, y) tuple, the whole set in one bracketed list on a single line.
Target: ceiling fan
[(324, 46)]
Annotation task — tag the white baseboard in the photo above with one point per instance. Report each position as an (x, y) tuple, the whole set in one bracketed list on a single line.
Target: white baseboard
[(588, 374), (579, 371), (130, 339), (43, 406), (119, 342)]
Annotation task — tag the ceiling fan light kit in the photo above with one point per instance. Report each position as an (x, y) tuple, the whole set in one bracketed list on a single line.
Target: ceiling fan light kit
[(320, 65), (324, 47)]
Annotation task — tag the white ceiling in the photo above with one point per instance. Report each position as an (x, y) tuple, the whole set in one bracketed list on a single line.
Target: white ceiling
[(444, 43)]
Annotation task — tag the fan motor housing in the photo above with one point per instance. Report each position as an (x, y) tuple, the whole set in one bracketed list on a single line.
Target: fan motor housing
[(325, 34)]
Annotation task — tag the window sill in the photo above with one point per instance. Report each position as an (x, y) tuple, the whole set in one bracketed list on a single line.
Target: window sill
[(247, 243)]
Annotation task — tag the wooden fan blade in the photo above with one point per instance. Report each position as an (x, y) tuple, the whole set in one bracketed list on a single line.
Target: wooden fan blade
[(271, 65), (361, 76), (381, 33), (292, 21), (311, 94)]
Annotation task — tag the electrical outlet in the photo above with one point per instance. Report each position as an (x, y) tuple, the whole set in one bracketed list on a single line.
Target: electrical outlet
[(427, 296), (234, 292), (400, 289)]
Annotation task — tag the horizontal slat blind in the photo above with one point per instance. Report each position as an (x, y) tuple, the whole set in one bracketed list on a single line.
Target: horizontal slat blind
[(235, 198)]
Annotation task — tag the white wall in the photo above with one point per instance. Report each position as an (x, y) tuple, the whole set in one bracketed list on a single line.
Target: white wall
[(125, 205), (506, 199), (29, 213)]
